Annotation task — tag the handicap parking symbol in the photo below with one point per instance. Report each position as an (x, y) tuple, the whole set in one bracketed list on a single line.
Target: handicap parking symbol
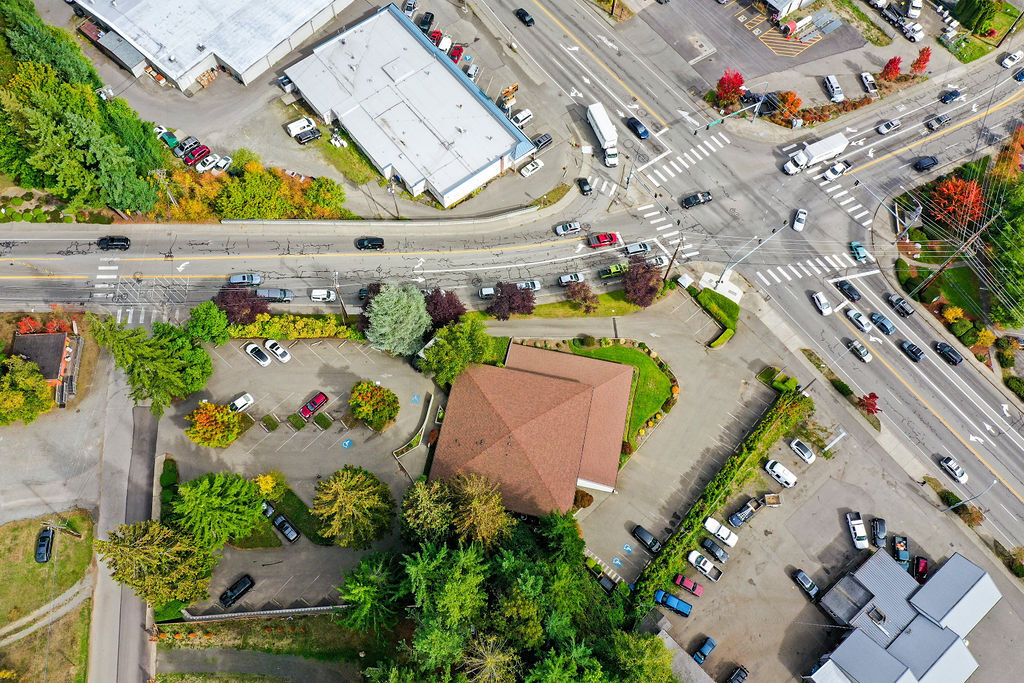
[(617, 562), (627, 548), (415, 398), (346, 443)]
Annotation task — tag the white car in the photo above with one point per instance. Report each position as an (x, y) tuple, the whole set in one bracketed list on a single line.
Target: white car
[(159, 130), (860, 351), (780, 473), (257, 354), (914, 11), (521, 118), (1011, 59), (240, 403), (802, 450), (323, 296), (207, 163), (954, 469), (857, 530), (224, 163), (837, 169), (721, 532), (799, 220), (532, 285), (821, 303), (570, 228), (531, 168), (658, 261), (888, 127), (858, 319), (277, 351), (568, 279)]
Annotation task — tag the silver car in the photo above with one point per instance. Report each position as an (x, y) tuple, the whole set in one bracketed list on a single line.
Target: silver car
[(570, 228), (570, 278), (954, 469), (246, 279), (532, 285)]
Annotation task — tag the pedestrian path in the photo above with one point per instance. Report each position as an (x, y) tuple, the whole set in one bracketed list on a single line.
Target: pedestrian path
[(603, 185), (670, 164), (812, 267), (656, 218)]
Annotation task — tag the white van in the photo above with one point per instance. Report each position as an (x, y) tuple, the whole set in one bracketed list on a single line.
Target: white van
[(780, 473), (473, 72), (486, 293), (296, 127), (444, 44), (522, 118)]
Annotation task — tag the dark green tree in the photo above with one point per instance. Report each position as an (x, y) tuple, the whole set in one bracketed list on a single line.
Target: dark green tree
[(208, 323), (428, 511), (217, 507), (398, 318), (455, 347), (373, 593)]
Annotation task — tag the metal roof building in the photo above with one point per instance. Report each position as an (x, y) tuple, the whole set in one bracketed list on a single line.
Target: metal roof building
[(409, 107), (904, 632), (182, 39)]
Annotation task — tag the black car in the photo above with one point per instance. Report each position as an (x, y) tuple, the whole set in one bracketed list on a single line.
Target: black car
[(806, 583), (370, 243), (848, 290), (912, 350), (607, 583), (236, 591), (426, 21), (925, 163), (308, 136), (639, 130), (878, 532), (585, 189), (715, 549), (647, 538), (524, 16), (268, 510), (900, 305), (739, 675), (282, 524), (118, 242), (948, 353), (696, 199), (44, 545), (951, 96)]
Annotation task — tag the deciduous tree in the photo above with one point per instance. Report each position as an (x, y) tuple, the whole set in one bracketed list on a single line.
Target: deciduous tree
[(491, 659), (642, 282), (985, 337), (24, 393), (510, 299), (869, 404), (271, 485), (951, 313), (240, 304), (157, 562), (443, 307), (454, 348), (375, 405), (398, 318), (957, 202), (355, 508), (892, 69), (641, 657), (789, 103), (373, 593), (921, 63), (480, 516), (217, 507), (729, 87), (428, 512), (213, 425), (208, 323), (581, 293)]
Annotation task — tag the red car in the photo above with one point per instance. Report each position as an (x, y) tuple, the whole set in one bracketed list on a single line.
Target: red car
[(689, 585), (435, 37), (605, 239), (920, 569), (192, 157), (315, 404), (456, 53)]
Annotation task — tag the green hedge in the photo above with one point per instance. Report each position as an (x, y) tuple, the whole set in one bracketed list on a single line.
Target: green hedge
[(297, 421), (789, 409), (721, 308), (1016, 385), (842, 387), (902, 271), (169, 475), (1007, 359), (270, 423), (722, 338)]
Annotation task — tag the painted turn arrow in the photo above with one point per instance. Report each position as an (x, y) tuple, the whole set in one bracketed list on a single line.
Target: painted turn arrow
[(874, 339), (989, 428), (976, 439)]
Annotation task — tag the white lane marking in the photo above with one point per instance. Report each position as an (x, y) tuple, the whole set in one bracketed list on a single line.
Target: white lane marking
[(659, 219), (604, 185), (831, 263), (854, 276), (784, 274), (873, 259), (796, 272), (813, 267), (774, 276), (673, 165), (652, 213), (763, 278), (823, 266), (860, 215), (668, 234), (789, 147), (866, 223), (690, 254), (696, 154), (855, 207), (119, 312), (688, 158), (107, 267), (654, 180), (715, 140), (831, 189), (849, 258), (106, 277), (131, 314), (727, 140)]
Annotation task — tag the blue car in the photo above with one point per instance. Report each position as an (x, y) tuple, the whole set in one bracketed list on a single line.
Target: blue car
[(672, 602), (700, 655), (1019, 76), (951, 96), (638, 128), (859, 252)]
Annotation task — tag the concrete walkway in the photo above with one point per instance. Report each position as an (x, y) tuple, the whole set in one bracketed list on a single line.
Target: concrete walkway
[(50, 612), (289, 667)]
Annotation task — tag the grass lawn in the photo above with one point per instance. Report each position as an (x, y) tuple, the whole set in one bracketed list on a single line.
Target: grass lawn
[(26, 585), (960, 287), (218, 677), (1003, 20), (315, 637), (972, 49), (292, 507), (651, 387), (263, 537), (58, 654), (350, 161), (551, 197), (860, 21), (498, 351), (609, 304)]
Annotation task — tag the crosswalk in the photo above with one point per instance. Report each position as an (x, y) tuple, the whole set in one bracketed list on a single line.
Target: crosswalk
[(846, 201), (812, 267), (139, 302), (657, 219), (603, 185), (669, 164)]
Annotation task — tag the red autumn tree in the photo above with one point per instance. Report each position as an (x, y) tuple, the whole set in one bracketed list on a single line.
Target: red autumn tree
[(892, 69), (729, 87), (240, 304), (28, 325), (57, 325), (921, 63), (443, 307), (509, 299), (642, 282), (957, 202), (869, 403), (582, 294)]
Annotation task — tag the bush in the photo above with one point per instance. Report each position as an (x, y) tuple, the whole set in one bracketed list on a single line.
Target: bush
[(721, 308), (1005, 344), (169, 475), (1007, 359), (291, 326), (960, 327), (694, 292), (588, 341), (842, 387), (917, 235), (296, 421), (322, 421), (627, 448), (1016, 385), (270, 423), (969, 338), (902, 271), (948, 497), (722, 338), (582, 499), (1018, 570), (17, 201), (669, 403)]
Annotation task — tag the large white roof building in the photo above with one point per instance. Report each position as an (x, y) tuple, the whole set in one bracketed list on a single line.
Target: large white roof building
[(409, 107)]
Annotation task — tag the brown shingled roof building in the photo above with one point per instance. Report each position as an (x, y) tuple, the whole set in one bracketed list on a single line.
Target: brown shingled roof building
[(540, 427)]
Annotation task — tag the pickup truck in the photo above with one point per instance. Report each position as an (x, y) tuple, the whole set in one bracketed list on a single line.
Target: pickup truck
[(704, 566), (700, 655), (614, 270), (721, 532), (696, 199), (746, 512), (901, 551), (857, 530)]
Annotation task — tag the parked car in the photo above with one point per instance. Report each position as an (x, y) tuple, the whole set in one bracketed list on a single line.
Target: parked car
[(888, 127), (1019, 76), (954, 469), (639, 130), (524, 16), (950, 97), (658, 261), (914, 10), (647, 539), (224, 164), (426, 21), (806, 583), (370, 243), (878, 533), (314, 404), (522, 117), (780, 473), (673, 603), (267, 509), (920, 569), (860, 254), (857, 530), (859, 320), (802, 450), (195, 155), (410, 8), (925, 163), (948, 353), (858, 349), (241, 403), (277, 351), (799, 220), (308, 136), (208, 162), (705, 650), (913, 351), (869, 83), (604, 239), (569, 228), (821, 303), (901, 551), (531, 168), (1011, 59), (721, 532), (323, 296), (739, 675), (607, 583), (258, 354), (456, 53), (689, 585), (282, 524), (848, 290), (246, 279), (236, 591), (569, 278), (882, 323), (585, 189), (118, 242), (532, 285), (44, 545), (900, 305), (717, 551)]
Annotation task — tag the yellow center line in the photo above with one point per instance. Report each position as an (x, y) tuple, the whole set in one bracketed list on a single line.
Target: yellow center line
[(1005, 103), (933, 411), (601, 64)]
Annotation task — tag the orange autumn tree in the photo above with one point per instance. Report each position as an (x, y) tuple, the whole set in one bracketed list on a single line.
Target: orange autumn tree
[(213, 425), (375, 405), (957, 202), (1007, 165)]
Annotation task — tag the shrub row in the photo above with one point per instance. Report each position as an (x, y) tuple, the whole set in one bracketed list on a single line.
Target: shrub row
[(722, 338), (721, 308), (291, 326), (789, 409), (842, 387)]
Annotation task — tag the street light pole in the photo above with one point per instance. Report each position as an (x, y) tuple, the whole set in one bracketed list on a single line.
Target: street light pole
[(760, 243), (971, 498)]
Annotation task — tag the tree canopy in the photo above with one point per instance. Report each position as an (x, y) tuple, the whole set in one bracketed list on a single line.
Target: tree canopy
[(24, 393), (217, 507), (509, 300), (355, 508), (454, 348), (213, 425), (398, 318), (208, 323)]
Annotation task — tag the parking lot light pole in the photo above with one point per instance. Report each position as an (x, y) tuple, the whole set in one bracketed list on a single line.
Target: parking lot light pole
[(971, 498)]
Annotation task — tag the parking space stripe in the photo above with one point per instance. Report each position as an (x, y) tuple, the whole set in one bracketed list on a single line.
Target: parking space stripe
[(668, 234), (668, 171), (866, 223), (785, 274), (860, 215), (604, 184), (763, 278), (659, 219), (813, 267)]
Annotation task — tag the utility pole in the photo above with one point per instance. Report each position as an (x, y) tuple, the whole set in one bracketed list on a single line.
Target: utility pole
[(971, 498), (960, 250), (337, 284), (672, 261)]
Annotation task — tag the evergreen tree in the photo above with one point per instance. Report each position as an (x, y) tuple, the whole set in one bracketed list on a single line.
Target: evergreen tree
[(354, 506), (398, 318), (217, 507)]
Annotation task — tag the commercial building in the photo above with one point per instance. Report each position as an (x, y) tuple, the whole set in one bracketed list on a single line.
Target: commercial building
[(183, 40), (412, 110), (903, 632)]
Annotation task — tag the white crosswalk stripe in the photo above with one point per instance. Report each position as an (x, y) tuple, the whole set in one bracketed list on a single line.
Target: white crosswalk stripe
[(840, 194), (668, 171), (680, 160), (763, 278), (795, 271), (688, 158), (645, 207), (727, 140), (823, 266), (813, 267), (653, 180), (832, 263), (660, 177), (774, 276), (696, 153), (785, 274), (802, 266), (845, 201), (652, 213), (673, 165), (849, 258)]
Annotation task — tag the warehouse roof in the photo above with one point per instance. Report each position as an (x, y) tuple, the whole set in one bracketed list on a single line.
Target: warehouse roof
[(410, 108), (958, 595), (239, 32)]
